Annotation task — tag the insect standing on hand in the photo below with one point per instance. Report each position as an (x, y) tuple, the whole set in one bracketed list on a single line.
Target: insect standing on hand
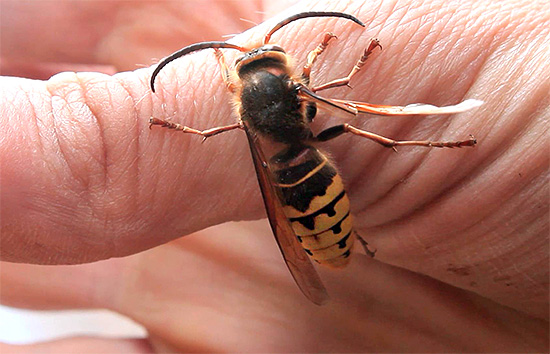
[(304, 196)]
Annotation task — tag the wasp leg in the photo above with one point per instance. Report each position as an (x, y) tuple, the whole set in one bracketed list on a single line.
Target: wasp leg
[(204, 133), (338, 130), (345, 80), (312, 56), (365, 245), (225, 71)]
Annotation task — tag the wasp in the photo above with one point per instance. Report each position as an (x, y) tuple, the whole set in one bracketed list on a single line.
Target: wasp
[(304, 196)]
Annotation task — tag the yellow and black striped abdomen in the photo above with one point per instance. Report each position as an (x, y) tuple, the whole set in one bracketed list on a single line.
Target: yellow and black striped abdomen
[(316, 204)]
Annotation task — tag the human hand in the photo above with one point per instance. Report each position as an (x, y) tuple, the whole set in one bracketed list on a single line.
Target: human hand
[(434, 212), (225, 289)]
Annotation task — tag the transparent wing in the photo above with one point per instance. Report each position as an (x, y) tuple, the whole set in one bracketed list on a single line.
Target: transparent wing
[(296, 259), (416, 108), (355, 107)]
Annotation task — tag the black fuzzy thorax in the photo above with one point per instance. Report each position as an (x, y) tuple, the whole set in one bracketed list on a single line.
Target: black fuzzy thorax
[(271, 106)]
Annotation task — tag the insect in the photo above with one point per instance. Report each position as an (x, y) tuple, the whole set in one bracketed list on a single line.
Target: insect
[(304, 196)]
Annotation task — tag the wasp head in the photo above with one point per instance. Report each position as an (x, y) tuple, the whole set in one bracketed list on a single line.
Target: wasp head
[(269, 54)]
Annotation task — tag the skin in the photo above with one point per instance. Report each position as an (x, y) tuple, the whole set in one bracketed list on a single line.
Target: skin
[(462, 235)]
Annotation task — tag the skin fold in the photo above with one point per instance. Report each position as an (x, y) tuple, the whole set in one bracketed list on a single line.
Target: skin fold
[(462, 234)]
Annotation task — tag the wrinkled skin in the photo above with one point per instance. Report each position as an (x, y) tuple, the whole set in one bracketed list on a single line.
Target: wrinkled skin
[(462, 235)]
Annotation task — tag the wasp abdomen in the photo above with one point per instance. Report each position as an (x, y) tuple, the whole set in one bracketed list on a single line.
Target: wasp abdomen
[(316, 204)]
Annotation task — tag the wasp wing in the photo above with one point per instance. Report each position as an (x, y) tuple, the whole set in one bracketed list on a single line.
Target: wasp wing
[(412, 109), (356, 107), (296, 259)]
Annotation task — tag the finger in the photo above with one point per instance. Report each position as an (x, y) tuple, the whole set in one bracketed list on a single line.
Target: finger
[(97, 174), (107, 32), (82, 345), (238, 288), (61, 287), (230, 280)]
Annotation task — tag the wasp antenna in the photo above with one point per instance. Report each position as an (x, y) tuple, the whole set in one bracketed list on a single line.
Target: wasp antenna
[(310, 14), (189, 49)]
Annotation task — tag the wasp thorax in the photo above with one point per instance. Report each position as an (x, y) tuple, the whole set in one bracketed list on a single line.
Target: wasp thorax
[(269, 102)]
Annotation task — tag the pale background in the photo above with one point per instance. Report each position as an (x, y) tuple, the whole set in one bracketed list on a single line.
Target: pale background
[(28, 326)]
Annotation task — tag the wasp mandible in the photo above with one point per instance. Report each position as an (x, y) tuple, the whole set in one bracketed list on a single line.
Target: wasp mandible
[(304, 196)]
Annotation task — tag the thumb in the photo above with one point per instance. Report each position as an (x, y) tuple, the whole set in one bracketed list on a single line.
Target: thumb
[(83, 178)]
